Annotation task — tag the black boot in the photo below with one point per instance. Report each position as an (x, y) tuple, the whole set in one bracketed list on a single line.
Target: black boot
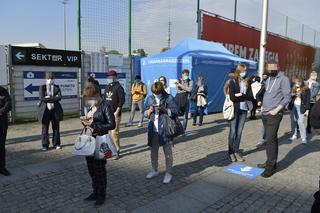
[(5, 172), (91, 197), (100, 201)]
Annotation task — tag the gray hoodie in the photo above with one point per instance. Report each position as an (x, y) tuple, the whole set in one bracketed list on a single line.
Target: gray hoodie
[(277, 92)]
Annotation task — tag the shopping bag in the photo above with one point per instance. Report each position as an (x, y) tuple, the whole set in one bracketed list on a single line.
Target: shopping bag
[(105, 147)]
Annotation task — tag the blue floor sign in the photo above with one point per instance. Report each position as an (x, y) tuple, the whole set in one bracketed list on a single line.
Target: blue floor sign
[(244, 170)]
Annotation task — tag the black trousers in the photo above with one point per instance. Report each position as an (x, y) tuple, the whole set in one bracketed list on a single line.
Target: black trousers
[(49, 116), (308, 124), (3, 136), (271, 125), (98, 174), (199, 110)]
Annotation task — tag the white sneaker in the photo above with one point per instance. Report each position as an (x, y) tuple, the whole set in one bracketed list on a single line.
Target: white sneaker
[(167, 178), (152, 174), (293, 137), (261, 143), (58, 147), (140, 124), (304, 141)]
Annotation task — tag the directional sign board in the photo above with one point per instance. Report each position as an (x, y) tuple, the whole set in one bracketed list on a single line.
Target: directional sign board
[(67, 81), (45, 57), (244, 170), (102, 79)]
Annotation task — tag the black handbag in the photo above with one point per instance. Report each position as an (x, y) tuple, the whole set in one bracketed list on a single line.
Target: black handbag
[(172, 126)]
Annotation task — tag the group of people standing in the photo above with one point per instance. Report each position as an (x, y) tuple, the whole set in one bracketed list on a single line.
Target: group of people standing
[(103, 114), (275, 94)]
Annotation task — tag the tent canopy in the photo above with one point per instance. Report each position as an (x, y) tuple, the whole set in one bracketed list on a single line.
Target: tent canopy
[(208, 59)]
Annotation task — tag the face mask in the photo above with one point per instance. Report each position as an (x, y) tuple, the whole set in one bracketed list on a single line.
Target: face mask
[(314, 77), (199, 83), (157, 96), (297, 85), (110, 80), (185, 77), (243, 74), (49, 81), (163, 82), (92, 103), (273, 73)]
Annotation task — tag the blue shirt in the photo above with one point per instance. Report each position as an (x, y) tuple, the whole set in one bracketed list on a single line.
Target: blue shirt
[(243, 90)]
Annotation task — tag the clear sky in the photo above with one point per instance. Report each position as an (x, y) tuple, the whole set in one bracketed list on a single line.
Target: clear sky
[(23, 21)]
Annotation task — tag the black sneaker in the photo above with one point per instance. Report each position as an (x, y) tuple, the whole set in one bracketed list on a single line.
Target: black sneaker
[(5, 172), (267, 174), (193, 124), (99, 202), (91, 197), (44, 148)]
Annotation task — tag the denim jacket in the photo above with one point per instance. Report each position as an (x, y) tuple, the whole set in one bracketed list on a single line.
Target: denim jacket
[(168, 102), (314, 90)]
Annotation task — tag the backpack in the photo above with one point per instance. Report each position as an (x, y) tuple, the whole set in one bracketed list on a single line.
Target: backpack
[(142, 85)]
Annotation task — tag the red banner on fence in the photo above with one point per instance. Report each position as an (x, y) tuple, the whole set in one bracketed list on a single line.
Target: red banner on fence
[(242, 40)]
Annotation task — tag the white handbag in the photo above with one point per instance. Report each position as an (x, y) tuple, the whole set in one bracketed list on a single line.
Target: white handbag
[(228, 109), (84, 145), (105, 147)]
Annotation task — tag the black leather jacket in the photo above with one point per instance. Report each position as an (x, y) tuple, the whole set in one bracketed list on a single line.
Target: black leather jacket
[(5, 107), (103, 119)]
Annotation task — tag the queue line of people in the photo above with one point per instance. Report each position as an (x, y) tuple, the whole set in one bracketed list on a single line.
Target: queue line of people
[(103, 114)]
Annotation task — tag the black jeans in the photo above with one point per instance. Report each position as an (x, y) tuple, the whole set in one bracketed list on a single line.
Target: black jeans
[(271, 125), (199, 110), (308, 124), (98, 174), (49, 116), (3, 136)]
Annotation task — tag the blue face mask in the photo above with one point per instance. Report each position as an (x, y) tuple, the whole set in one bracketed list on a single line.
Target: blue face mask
[(243, 74)]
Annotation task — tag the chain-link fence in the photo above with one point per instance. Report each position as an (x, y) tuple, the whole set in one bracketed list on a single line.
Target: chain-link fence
[(157, 25)]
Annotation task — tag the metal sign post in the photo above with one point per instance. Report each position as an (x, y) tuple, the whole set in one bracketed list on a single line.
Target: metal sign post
[(263, 37)]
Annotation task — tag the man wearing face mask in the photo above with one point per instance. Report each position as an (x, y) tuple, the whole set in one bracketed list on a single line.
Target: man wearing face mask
[(184, 87), (115, 96), (276, 97), (50, 110), (314, 87), (138, 93)]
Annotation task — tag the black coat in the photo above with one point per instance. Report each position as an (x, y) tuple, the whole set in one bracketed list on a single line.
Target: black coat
[(103, 119), (5, 107), (305, 102), (194, 93), (58, 111), (234, 88)]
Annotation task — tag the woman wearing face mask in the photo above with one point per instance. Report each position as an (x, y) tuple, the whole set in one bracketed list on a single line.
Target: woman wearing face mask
[(163, 80), (240, 93), (100, 119), (314, 87), (200, 98), (156, 105), (299, 107), (50, 110)]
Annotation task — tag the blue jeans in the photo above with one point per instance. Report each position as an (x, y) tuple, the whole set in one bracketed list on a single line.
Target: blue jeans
[(236, 127), (297, 119)]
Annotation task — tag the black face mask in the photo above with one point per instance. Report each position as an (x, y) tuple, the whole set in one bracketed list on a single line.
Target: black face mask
[(273, 73)]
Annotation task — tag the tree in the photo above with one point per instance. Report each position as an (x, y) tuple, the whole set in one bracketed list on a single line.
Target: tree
[(140, 52), (165, 49), (104, 50)]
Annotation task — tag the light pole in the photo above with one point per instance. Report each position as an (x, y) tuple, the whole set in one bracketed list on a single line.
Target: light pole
[(263, 37), (65, 2)]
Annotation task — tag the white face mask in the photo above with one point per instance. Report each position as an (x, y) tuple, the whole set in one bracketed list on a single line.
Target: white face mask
[(157, 96), (185, 77), (49, 81)]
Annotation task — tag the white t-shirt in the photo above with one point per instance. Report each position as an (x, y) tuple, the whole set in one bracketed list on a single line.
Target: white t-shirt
[(297, 101), (156, 117)]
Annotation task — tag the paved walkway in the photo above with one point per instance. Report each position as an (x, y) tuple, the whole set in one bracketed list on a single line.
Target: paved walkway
[(56, 181)]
